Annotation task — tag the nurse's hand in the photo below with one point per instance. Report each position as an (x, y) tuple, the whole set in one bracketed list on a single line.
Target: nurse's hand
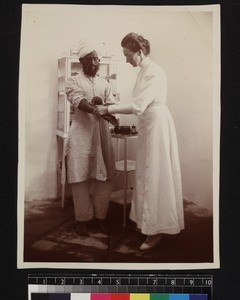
[(101, 110)]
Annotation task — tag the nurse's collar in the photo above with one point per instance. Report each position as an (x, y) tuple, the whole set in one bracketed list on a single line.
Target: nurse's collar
[(144, 62)]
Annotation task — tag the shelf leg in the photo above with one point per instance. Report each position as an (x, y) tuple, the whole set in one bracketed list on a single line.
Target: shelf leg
[(63, 184), (63, 195)]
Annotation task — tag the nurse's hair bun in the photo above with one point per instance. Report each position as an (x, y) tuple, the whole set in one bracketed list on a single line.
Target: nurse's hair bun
[(135, 42)]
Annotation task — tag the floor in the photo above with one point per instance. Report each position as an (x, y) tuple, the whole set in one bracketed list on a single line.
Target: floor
[(49, 236)]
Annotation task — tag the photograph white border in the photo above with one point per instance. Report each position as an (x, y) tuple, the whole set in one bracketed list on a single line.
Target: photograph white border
[(215, 9)]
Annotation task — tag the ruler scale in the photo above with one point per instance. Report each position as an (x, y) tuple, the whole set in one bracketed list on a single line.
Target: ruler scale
[(120, 287)]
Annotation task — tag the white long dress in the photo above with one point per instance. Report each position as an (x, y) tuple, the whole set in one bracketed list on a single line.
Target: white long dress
[(157, 204)]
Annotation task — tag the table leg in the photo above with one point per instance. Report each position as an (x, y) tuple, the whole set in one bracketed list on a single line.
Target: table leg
[(125, 183)]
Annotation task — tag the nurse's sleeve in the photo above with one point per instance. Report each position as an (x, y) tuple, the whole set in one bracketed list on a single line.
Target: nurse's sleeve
[(74, 92), (123, 108), (145, 93)]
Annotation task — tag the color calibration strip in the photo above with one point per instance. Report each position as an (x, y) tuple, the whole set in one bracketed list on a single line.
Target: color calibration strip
[(123, 287), (78, 296)]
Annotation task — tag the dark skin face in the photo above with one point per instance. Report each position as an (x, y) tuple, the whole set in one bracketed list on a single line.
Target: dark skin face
[(90, 63)]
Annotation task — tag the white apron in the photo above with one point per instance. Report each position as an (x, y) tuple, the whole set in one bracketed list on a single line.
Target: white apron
[(157, 204)]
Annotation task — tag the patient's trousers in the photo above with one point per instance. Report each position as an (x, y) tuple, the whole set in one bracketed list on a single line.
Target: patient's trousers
[(91, 199)]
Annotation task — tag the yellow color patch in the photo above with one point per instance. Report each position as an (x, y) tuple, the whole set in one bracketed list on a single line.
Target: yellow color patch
[(139, 297)]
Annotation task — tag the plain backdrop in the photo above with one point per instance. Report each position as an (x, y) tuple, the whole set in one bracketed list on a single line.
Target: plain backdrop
[(182, 41)]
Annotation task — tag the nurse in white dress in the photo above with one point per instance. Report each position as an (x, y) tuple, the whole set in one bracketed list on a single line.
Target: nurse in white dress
[(157, 204)]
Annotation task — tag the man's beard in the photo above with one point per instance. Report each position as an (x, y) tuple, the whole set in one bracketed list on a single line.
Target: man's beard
[(90, 70)]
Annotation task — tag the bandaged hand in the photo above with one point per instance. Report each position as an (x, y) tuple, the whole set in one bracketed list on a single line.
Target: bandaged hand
[(96, 100), (101, 110)]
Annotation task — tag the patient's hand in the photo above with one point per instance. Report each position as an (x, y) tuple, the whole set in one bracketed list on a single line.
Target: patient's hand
[(101, 110), (96, 100)]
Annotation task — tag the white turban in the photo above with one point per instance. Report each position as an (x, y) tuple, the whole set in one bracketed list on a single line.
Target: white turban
[(86, 47)]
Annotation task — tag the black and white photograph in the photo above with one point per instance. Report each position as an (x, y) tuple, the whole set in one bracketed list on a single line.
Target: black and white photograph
[(119, 137)]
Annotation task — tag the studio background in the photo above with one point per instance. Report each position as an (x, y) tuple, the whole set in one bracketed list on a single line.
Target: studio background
[(181, 42)]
